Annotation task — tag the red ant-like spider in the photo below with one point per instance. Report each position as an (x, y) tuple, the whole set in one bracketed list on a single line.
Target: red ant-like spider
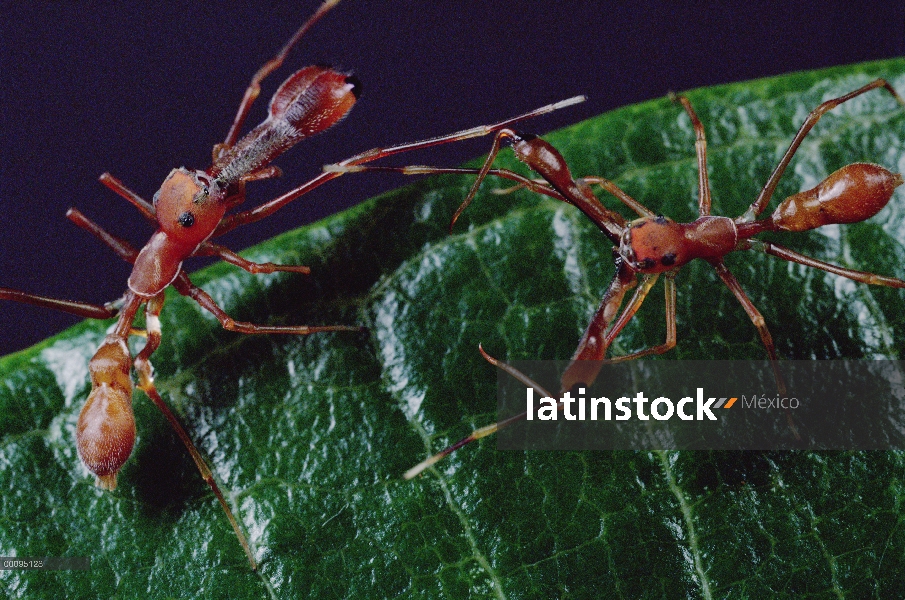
[(653, 244), (189, 209)]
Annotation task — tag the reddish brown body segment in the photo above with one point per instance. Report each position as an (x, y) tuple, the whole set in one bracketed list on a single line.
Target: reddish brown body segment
[(658, 244), (105, 433), (850, 195)]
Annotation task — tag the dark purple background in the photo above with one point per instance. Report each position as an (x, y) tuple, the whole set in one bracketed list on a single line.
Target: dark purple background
[(93, 87)]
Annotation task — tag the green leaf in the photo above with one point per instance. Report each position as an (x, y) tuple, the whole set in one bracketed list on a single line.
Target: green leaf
[(308, 436)]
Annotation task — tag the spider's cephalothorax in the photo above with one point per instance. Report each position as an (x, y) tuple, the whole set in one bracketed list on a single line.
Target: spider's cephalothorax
[(658, 244)]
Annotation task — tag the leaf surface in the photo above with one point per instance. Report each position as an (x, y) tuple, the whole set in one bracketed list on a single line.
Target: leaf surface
[(308, 436)]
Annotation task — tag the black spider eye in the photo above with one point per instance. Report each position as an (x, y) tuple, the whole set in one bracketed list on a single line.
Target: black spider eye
[(186, 219)]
